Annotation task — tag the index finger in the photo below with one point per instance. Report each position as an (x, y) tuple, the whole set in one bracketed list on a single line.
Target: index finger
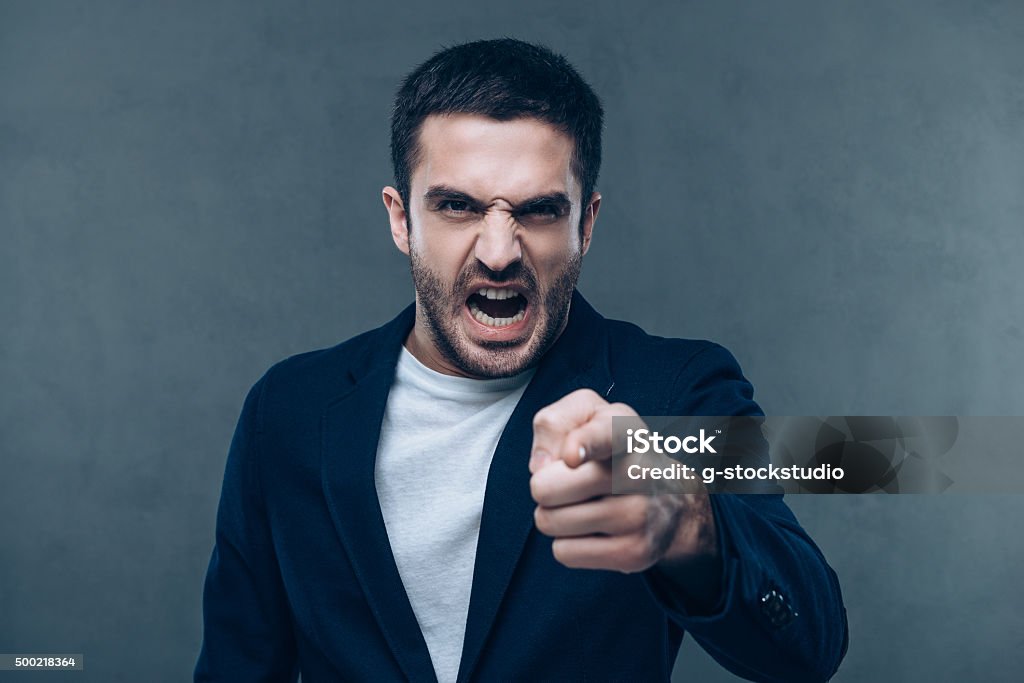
[(597, 439), (553, 423)]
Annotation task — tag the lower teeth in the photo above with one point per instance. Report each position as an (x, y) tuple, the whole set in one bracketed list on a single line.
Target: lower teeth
[(495, 322)]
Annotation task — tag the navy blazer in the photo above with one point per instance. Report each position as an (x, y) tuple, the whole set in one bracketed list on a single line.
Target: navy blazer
[(302, 577)]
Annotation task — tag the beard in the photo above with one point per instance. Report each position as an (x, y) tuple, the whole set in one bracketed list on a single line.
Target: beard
[(441, 307)]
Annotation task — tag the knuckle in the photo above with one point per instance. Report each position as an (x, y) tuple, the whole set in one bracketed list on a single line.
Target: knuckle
[(636, 513), (542, 520), (544, 420), (537, 490), (640, 553), (558, 549), (543, 493)]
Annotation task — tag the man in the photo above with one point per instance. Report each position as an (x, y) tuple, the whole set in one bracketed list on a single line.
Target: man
[(432, 499)]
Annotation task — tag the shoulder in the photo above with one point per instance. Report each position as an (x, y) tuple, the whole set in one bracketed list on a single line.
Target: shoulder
[(309, 370), (309, 367), (678, 376), (630, 344), (306, 383)]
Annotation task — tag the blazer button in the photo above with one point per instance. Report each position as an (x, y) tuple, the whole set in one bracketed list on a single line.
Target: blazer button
[(775, 608)]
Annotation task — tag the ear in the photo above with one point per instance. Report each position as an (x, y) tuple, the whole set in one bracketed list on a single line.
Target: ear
[(397, 217), (589, 217)]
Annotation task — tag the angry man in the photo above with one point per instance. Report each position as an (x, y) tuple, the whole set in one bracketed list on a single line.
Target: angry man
[(431, 500)]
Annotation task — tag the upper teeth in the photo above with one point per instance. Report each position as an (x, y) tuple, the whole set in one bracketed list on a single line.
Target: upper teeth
[(492, 293)]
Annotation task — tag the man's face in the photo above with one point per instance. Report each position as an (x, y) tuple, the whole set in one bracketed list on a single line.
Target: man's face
[(493, 234)]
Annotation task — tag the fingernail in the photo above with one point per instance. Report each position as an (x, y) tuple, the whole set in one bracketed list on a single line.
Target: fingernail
[(583, 453), (538, 458)]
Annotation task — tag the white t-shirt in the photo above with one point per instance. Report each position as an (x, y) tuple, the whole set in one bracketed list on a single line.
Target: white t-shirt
[(436, 442)]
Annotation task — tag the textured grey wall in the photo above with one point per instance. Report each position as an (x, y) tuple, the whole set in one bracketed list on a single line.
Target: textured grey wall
[(189, 192)]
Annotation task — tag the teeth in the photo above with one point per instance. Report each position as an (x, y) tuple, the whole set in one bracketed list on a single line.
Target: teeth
[(496, 294), (494, 322)]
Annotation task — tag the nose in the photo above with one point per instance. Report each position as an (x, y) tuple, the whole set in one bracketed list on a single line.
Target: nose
[(497, 245)]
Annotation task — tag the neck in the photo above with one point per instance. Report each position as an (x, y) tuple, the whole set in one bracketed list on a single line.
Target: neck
[(422, 347)]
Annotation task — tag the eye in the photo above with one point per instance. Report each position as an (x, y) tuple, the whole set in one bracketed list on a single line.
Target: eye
[(544, 211), (541, 214), (454, 207)]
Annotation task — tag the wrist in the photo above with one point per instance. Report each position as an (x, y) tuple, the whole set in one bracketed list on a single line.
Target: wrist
[(696, 533), (692, 564)]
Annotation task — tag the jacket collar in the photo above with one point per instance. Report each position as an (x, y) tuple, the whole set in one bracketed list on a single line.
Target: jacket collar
[(351, 429)]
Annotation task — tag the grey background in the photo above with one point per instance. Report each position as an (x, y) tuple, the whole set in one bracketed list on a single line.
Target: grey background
[(190, 191)]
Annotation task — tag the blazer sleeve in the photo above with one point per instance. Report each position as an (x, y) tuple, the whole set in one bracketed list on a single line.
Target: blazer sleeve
[(780, 616), (247, 633)]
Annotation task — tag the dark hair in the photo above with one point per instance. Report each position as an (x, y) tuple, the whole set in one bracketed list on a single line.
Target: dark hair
[(504, 79)]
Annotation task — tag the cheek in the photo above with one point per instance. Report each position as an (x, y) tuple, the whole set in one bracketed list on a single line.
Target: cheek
[(551, 253), (443, 251)]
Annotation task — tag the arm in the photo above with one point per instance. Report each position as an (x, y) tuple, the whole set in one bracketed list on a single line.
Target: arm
[(246, 620), (799, 633), (796, 633), (737, 571)]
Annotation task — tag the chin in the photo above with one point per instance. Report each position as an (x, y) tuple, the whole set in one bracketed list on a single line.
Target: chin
[(492, 363)]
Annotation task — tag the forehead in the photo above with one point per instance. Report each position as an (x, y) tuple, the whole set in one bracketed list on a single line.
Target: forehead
[(488, 159)]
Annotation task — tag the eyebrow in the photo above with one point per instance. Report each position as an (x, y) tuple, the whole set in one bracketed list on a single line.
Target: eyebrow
[(442, 193), (445, 193)]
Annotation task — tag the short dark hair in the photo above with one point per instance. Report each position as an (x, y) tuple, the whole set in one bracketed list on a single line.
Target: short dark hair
[(503, 79)]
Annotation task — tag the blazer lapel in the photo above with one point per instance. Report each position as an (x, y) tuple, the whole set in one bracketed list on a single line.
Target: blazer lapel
[(351, 430), (577, 360)]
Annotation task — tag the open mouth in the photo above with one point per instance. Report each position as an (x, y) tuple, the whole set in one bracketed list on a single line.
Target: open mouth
[(497, 307)]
